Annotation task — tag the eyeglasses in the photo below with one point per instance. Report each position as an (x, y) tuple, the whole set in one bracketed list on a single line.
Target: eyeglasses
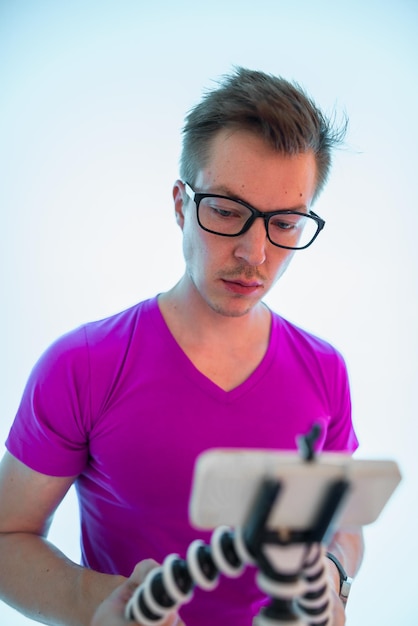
[(231, 217)]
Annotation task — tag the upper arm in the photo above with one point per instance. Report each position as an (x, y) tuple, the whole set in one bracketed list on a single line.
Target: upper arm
[(28, 499)]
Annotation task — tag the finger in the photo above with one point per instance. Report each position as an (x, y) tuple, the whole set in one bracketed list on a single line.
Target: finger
[(142, 569), (139, 574)]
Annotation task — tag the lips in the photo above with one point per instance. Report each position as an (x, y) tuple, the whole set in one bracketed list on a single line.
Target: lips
[(242, 287)]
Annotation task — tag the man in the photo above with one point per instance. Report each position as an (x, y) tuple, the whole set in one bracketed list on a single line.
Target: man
[(122, 407)]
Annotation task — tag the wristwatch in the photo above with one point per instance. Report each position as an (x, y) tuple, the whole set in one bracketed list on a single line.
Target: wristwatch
[(345, 580)]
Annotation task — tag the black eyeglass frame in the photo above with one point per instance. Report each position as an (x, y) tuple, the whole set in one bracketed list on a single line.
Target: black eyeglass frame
[(197, 197)]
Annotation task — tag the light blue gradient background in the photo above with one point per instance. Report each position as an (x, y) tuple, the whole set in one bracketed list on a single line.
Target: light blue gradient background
[(92, 100)]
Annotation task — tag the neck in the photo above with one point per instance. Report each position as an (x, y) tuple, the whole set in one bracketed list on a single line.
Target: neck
[(183, 307), (226, 349)]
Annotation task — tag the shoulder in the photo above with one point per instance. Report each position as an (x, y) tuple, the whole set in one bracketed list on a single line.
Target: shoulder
[(111, 329), (107, 337), (302, 340), (305, 352), (119, 325)]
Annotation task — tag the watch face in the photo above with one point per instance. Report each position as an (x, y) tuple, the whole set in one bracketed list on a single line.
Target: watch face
[(345, 589)]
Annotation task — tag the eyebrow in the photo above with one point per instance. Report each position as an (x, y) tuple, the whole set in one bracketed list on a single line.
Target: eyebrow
[(225, 191)]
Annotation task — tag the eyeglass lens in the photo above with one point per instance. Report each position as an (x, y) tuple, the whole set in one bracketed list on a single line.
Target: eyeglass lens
[(226, 217)]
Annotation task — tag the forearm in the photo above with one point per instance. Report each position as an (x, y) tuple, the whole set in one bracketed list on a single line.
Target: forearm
[(348, 547), (39, 581)]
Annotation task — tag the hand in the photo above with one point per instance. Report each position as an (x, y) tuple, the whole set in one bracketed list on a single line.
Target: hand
[(111, 611), (338, 613)]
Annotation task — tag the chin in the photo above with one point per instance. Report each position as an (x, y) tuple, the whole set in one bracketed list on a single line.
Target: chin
[(238, 309)]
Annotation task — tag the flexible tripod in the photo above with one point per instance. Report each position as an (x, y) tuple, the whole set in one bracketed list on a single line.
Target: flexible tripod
[(291, 563)]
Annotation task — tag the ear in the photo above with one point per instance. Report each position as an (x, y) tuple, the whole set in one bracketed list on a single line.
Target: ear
[(178, 196)]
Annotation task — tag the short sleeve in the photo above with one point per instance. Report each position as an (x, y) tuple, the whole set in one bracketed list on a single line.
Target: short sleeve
[(50, 430), (340, 435)]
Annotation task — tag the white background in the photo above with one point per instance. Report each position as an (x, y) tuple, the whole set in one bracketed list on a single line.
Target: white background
[(92, 100)]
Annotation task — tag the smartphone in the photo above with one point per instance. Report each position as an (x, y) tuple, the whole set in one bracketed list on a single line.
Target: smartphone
[(226, 483)]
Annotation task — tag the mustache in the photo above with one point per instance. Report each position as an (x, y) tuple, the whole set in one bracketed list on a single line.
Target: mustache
[(243, 271)]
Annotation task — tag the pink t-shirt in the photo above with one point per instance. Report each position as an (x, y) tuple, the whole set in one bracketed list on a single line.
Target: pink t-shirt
[(119, 404)]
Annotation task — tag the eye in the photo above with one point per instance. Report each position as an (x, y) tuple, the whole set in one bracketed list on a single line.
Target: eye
[(221, 212), (224, 209), (286, 222)]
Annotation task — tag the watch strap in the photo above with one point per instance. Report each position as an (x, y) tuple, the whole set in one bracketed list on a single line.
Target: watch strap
[(345, 580)]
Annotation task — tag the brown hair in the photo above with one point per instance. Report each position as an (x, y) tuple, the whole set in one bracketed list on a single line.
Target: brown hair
[(270, 106)]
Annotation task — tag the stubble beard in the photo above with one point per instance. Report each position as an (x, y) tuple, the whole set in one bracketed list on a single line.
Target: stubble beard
[(231, 311), (236, 306)]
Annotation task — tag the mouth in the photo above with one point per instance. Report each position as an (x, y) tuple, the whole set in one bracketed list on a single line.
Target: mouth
[(242, 287)]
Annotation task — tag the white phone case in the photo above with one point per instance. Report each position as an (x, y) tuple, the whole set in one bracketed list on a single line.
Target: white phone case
[(226, 483)]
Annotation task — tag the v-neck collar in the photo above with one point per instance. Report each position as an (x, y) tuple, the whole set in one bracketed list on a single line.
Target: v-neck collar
[(196, 377)]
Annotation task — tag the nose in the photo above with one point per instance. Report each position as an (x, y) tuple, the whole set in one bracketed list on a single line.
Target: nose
[(251, 245)]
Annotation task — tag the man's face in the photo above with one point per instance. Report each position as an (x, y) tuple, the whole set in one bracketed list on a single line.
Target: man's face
[(232, 274)]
